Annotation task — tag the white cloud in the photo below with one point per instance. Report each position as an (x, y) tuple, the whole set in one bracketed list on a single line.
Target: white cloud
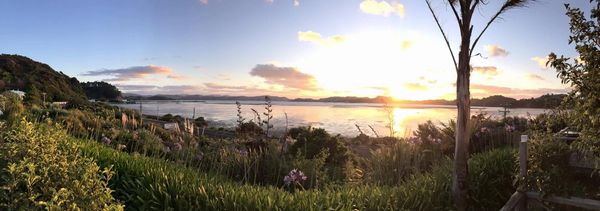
[(384, 8), (203, 1), (540, 61), (489, 71), (535, 77), (315, 37), (494, 51), (133, 73), (285, 76)]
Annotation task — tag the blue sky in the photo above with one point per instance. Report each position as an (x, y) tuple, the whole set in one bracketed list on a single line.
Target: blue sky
[(303, 48)]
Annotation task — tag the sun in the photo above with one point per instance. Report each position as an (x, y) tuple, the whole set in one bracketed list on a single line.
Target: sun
[(376, 63)]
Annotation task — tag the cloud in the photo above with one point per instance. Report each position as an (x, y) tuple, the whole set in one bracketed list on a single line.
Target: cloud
[(415, 87), (204, 2), (495, 51), (486, 70), (535, 77), (315, 37), (424, 79), (480, 90), (384, 8), (296, 3), (253, 90), (541, 61), (286, 76), (154, 90), (132, 73), (406, 44), (211, 85)]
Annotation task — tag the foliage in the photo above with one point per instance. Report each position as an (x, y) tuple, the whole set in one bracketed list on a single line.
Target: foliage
[(12, 108), (22, 73), (550, 173), (493, 174), (249, 130), (551, 122), (152, 184), (101, 90), (583, 74), (268, 116), (145, 183), (485, 134), (310, 142), (392, 164), (43, 170)]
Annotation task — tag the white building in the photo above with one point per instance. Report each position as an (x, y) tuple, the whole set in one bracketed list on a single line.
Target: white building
[(19, 93)]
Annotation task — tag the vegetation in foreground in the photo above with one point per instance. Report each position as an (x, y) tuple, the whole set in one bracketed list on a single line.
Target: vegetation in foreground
[(249, 172), (145, 183)]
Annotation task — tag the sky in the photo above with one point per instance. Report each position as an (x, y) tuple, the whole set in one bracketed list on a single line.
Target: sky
[(292, 48)]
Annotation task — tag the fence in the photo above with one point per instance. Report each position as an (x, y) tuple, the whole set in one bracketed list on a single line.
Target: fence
[(520, 200)]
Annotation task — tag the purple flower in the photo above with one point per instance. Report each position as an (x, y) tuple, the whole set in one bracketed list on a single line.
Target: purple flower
[(294, 176), (485, 130), (105, 140), (509, 128)]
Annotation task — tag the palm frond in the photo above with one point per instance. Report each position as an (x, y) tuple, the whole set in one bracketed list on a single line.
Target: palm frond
[(509, 4)]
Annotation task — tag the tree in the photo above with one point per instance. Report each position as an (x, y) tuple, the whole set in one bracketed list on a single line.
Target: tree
[(583, 74), (463, 11), (101, 90)]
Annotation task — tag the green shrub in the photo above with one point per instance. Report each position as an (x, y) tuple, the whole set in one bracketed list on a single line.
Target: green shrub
[(11, 106), (146, 143), (310, 142), (491, 177), (314, 169), (41, 170), (550, 173)]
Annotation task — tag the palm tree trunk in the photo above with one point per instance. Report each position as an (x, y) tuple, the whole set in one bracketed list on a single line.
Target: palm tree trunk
[(461, 154)]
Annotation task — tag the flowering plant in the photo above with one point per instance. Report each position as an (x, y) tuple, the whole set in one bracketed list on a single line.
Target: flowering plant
[(295, 176)]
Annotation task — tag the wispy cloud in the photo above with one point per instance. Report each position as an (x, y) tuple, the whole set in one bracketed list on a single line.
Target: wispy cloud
[(429, 81), (384, 8), (203, 1), (212, 85), (315, 37), (541, 61), (285, 76), (154, 90), (406, 44), (489, 71), (132, 73), (496, 51), (415, 87), (535, 77)]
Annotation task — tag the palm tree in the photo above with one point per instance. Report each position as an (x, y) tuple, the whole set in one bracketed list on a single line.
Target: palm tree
[(463, 12)]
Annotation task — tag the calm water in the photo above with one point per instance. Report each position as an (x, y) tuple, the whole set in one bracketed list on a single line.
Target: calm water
[(334, 117)]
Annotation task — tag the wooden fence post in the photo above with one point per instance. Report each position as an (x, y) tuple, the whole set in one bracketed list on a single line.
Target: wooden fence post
[(523, 167)]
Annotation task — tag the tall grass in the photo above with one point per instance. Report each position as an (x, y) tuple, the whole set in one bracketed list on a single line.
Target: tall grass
[(145, 183)]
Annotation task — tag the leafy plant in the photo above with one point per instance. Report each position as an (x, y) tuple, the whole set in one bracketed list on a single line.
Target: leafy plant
[(43, 170)]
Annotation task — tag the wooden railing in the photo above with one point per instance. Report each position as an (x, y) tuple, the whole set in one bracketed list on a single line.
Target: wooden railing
[(521, 199)]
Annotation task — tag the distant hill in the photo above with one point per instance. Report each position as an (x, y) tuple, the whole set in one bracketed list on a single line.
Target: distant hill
[(22, 73), (100, 90), (202, 97), (544, 101)]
